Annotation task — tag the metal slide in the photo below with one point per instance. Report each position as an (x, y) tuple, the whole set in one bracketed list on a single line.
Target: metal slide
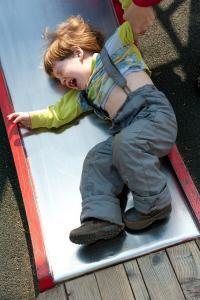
[(49, 162)]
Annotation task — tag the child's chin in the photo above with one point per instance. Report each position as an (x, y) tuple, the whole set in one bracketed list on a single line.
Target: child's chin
[(76, 88)]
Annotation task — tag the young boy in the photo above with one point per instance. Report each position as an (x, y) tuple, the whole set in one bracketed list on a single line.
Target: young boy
[(113, 82)]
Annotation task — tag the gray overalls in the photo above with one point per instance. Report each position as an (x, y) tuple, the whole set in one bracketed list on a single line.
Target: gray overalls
[(143, 130)]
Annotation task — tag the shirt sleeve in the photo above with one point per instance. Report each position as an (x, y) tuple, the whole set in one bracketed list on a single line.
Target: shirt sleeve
[(143, 3), (126, 37), (146, 3), (125, 3), (62, 112), (125, 34)]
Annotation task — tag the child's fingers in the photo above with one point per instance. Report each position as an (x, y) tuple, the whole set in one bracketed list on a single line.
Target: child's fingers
[(21, 118), (18, 119), (13, 115)]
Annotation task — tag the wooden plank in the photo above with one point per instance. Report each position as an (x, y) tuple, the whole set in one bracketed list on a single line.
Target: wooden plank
[(185, 259), (113, 284), (57, 293), (136, 280), (159, 277), (84, 288), (198, 242)]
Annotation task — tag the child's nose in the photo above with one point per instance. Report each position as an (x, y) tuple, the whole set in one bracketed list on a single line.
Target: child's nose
[(62, 81)]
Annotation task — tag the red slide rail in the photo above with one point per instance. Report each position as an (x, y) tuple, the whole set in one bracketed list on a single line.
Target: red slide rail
[(44, 276)]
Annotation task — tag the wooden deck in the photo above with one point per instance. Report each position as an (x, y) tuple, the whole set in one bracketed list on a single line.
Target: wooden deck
[(173, 273)]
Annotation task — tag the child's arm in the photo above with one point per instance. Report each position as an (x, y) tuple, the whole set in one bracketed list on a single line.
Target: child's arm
[(64, 111), (127, 37)]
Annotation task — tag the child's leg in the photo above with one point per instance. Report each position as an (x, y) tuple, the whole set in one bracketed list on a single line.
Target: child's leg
[(100, 184), (136, 152)]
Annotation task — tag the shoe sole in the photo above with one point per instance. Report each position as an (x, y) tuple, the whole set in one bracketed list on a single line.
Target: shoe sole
[(93, 238), (139, 225)]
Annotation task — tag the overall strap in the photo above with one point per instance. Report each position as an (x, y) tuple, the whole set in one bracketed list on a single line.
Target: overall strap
[(113, 71)]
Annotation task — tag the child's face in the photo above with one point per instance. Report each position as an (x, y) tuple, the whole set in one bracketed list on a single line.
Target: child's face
[(74, 72)]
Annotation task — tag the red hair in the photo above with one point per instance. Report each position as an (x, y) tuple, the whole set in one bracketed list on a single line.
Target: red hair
[(72, 33)]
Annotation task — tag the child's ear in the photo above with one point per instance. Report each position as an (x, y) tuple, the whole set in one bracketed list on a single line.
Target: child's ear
[(78, 52)]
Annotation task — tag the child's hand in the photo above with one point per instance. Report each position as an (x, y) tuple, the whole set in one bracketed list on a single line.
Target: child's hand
[(22, 118)]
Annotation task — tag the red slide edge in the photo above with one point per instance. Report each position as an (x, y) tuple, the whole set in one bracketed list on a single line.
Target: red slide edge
[(45, 279)]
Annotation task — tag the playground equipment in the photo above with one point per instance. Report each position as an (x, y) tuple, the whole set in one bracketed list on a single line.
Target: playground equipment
[(49, 162)]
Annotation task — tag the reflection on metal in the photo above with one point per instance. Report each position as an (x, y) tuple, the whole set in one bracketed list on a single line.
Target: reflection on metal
[(56, 157)]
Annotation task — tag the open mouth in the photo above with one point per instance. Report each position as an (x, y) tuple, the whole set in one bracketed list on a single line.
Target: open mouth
[(72, 83)]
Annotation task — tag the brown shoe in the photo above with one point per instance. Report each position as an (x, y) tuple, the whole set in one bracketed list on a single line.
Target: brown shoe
[(91, 231), (136, 220)]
